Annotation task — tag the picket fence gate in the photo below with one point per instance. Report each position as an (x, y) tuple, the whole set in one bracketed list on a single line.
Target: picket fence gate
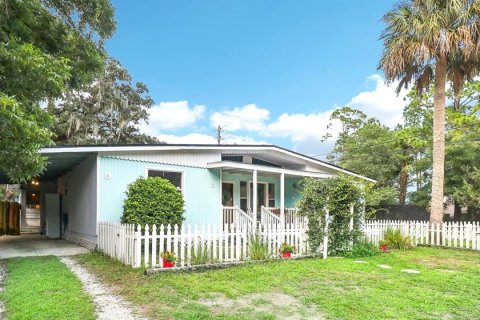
[(448, 234), (135, 245)]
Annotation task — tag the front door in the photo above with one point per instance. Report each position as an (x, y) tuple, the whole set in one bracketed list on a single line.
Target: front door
[(261, 197), (227, 194)]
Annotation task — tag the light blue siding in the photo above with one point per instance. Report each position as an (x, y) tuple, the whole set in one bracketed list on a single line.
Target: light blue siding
[(201, 189), (291, 194)]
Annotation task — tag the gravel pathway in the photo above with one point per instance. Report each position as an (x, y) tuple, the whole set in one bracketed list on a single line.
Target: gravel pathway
[(108, 306), (3, 274)]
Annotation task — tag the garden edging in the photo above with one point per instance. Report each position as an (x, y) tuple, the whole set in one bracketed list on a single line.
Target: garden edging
[(222, 265)]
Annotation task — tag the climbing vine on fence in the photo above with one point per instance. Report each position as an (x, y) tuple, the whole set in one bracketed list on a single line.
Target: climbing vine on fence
[(336, 195)]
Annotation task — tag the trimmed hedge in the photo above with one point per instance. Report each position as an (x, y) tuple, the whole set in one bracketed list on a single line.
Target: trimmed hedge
[(153, 200)]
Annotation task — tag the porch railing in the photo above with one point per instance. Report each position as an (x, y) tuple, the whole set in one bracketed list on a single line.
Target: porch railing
[(290, 215), (235, 215), (267, 217)]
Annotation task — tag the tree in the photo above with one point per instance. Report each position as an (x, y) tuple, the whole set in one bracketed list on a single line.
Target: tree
[(153, 200), (437, 40), (367, 147), (107, 111), (462, 183), (45, 47), (337, 196)]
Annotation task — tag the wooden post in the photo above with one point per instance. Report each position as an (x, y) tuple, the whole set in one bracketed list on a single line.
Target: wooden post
[(350, 226), (325, 237), (138, 247), (154, 245), (282, 199)]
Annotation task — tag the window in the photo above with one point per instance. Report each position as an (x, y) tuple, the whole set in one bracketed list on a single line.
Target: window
[(243, 196), (265, 163), (174, 177), (271, 195)]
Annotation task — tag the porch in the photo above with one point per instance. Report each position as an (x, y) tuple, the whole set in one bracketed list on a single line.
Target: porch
[(253, 194)]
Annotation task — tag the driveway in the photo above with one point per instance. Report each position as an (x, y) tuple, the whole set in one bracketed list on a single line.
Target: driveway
[(36, 245)]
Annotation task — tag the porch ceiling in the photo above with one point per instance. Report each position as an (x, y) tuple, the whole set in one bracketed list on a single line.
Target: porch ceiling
[(242, 168), (57, 165)]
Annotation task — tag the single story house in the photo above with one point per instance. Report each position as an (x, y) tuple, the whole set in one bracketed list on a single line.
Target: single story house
[(220, 183)]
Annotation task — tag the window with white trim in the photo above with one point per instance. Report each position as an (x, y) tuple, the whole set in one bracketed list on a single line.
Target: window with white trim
[(174, 177)]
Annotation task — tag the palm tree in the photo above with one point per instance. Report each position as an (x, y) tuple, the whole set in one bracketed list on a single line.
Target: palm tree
[(432, 40)]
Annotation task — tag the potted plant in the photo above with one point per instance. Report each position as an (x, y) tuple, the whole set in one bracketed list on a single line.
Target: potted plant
[(286, 250), (168, 259), (383, 245)]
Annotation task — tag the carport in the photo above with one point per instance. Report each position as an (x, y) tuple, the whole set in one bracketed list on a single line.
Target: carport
[(28, 245), (43, 211)]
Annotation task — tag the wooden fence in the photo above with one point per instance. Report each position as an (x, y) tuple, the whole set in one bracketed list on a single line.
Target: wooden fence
[(449, 234), (137, 245)]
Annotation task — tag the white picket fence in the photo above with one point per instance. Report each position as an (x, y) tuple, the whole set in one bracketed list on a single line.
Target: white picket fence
[(134, 245), (448, 234)]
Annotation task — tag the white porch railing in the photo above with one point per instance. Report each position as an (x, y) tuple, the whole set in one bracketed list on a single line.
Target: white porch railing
[(268, 217), (290, 215), (235, 215), (137, 245)]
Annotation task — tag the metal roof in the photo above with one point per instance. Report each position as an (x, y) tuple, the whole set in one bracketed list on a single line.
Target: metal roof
[(62, 159)]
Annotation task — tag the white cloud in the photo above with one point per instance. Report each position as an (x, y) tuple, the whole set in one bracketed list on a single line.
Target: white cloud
[(304, 130), (249, 117), (173, 115), (382, 102), (300, 126)]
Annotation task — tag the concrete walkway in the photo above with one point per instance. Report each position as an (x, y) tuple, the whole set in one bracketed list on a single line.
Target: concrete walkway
[(36, 245)]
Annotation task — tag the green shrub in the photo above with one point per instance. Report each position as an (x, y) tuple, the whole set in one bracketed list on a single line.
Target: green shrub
[(363, 248), (394, 239), (154, 201), (258, 250), (203, 255)]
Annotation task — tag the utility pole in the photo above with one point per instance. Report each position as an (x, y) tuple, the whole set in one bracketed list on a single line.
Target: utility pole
[(220, 132)]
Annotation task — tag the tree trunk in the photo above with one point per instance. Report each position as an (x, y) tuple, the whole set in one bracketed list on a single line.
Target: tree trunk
[(403, 183), (436, 212)]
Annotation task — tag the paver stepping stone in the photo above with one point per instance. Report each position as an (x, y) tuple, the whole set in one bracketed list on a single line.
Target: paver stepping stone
[(410, 271), (384, 266), (360, 261)]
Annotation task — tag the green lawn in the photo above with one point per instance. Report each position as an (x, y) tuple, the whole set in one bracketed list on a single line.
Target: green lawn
[(43, 288), (448, 287)]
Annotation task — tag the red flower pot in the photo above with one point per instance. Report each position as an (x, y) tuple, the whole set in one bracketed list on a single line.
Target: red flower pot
[(286, 254), (383, 247), (168, 264)]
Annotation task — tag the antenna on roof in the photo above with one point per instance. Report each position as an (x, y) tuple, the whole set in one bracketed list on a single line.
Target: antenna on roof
[(220, 136)]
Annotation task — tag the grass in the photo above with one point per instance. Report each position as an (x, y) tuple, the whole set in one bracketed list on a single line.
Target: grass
[(44, 288), (336, 288)]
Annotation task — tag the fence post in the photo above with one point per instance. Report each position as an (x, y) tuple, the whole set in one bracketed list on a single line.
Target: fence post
[(138, 247), (182, 246), (147, 246), (154, 245), (350, 226), (325, 237)]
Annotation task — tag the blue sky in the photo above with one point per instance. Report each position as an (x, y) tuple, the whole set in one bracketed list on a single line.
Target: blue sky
[(269, 71)]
